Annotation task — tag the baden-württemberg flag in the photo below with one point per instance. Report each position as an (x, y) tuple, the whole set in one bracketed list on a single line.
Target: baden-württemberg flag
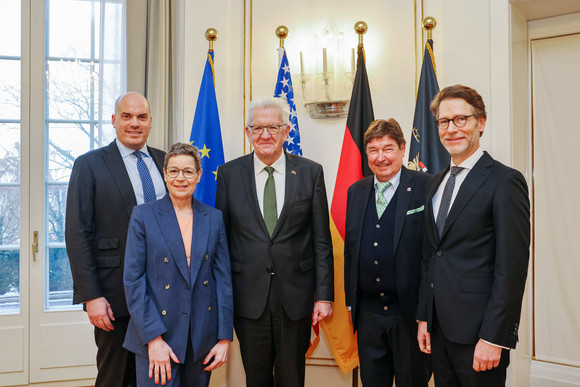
[(206, 135), (284, 90), (426, 152)]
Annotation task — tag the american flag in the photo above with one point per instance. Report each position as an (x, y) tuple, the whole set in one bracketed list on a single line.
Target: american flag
[(284, 90)]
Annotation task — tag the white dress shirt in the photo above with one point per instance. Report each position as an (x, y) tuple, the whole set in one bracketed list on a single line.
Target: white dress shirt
[(467, 166), (389, 192), (261, 175), (131, 166)]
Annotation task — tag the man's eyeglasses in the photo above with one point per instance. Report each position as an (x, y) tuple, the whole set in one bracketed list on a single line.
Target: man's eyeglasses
[(258, 130), (458, 121), (187, 173)]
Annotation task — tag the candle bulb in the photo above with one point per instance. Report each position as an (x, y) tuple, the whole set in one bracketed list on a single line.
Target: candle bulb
[(324, 68), (352, 62), (301, 65)]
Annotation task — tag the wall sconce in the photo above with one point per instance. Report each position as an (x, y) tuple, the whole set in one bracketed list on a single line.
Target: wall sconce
[(326, 79)]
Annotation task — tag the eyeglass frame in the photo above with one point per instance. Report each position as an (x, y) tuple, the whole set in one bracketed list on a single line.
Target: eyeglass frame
[(447, 121), (272, 129), (182, 171)]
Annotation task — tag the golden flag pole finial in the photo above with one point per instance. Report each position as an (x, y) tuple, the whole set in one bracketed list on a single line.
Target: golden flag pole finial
[(429, 24), (282, 33), (360, 28), (211, 34)]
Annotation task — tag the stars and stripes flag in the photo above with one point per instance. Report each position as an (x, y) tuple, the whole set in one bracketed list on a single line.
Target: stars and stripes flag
[(284, 90), (206, 134)]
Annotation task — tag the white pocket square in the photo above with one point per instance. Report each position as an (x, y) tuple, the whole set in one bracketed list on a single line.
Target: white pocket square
[(415, 210)]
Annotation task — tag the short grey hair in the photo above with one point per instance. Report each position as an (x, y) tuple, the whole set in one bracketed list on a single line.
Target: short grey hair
[(269, 103), (181, 148)]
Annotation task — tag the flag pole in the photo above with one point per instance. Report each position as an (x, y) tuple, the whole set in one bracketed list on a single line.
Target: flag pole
[(211, 34), (429, 24), (361, 28), (282, 33)]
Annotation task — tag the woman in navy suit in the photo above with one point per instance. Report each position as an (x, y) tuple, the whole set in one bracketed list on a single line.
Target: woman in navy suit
[(178, 281)]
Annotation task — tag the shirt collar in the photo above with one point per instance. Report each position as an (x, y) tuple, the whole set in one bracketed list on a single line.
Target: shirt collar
[(470, 162), (278, 165), (393, 180), (126, 151)]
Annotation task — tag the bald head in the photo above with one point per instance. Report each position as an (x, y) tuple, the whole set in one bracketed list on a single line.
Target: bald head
[(132, 120)]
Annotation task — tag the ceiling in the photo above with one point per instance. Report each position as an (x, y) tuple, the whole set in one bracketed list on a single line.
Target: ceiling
[(539, 9)]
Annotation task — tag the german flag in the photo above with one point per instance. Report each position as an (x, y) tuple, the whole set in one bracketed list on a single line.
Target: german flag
[(352, 166)]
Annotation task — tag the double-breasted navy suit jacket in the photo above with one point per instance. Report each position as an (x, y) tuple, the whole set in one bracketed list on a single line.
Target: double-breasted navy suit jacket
[(407, 238), (163, 296), (474, 275)]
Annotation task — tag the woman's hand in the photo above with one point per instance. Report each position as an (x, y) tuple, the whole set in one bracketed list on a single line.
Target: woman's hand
[(160, 356), (219, 352)]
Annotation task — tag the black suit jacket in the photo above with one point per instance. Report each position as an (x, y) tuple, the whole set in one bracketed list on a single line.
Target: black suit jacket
[(475, 274), (407, 239), (99, 204), (300, 249)]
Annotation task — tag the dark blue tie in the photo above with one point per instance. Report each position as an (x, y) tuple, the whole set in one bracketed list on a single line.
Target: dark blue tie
[(446, 199), (145, 176)]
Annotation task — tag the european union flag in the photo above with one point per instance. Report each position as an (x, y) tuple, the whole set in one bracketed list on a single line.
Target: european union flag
[(284, 90), (426, 152), (206, 135)]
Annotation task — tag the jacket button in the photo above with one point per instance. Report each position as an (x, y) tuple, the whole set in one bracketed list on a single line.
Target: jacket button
[(382, 294), (205, 258), (431, 285), (271, 243), (163, 312), (209, 308), (375, 244), (378, 226), (167, 287), (385, 307), (205, 282), (439, 253), (378, 279), (166, 260), (376, 262)]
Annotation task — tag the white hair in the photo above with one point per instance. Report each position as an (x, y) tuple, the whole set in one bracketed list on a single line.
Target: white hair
[(269, 103)]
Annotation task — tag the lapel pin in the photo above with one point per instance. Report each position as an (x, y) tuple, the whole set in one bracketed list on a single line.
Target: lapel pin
[(293, 172), (408, 189)]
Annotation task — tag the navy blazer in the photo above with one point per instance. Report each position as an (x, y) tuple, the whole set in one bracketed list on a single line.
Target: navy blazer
[(407, 238), (475, 273), (163, 296), (99, 203), (299, 252)]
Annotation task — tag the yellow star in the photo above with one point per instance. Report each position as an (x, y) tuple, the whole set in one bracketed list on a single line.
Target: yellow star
[(191, 142), (204, 152), (215, 173)]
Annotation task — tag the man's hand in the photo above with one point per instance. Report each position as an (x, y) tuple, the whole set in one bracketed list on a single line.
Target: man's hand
[(160, 356), (486, 356), (219, 352), (322, 309), (423, 337), (100, 313)]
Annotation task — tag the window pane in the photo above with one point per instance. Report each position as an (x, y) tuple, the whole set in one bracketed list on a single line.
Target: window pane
[(9, 216), (56, 207), (9, 88), (9, 281), (10, 26), (10, 153), (70, 26), (69, 90), (59, 279), (66, 143)]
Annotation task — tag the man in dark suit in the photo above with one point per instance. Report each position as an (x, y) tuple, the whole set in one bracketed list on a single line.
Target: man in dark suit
[(475, 260), (104, 187), (382, 261), (276, 216)]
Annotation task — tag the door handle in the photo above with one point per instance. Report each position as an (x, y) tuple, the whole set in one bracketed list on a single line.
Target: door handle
[(34, 245)]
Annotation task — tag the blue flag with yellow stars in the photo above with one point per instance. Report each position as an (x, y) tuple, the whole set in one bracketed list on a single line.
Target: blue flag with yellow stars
[(284, 90), (206, 135)]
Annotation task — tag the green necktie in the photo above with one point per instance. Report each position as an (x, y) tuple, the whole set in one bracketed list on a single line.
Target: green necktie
[(270, 208), (382, 203)]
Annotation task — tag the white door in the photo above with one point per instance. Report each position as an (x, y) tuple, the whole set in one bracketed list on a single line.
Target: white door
[(58, 81)]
